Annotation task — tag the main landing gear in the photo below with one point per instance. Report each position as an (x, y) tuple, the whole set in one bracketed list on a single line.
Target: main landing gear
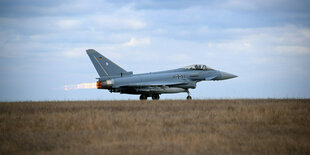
[(143, 97), (154, 97)]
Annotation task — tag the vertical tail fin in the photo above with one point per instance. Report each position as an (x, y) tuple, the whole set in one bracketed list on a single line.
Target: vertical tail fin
[(105, 67)]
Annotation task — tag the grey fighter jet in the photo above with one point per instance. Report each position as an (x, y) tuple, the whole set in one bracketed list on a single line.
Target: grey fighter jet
[(116, 79)]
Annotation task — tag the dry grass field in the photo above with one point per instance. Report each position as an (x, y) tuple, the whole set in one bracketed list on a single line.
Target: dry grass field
[(156, 127)]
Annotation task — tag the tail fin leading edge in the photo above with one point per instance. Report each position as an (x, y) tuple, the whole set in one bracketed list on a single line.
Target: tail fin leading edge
[(104, 66)]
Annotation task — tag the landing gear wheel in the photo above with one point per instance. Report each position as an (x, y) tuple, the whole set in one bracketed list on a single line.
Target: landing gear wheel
[(189, 98), (143, 97), (188, 95), (155, 97)]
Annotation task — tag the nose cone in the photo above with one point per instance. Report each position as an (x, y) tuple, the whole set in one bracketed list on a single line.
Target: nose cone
[(225, 76)]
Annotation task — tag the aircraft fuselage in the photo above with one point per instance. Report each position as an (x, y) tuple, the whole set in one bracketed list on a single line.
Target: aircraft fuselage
[(116, 79)]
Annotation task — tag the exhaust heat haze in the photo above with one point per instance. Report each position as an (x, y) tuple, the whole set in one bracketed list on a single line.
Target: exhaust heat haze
[(80, 86)]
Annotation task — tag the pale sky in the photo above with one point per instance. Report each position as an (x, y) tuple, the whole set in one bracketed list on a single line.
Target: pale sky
[(265, 42)]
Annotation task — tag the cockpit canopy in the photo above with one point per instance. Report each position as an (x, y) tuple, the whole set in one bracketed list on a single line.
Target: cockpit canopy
[(198, 67)]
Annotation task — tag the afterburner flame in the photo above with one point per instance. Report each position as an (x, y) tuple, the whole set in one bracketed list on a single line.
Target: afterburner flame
[(80, 86)]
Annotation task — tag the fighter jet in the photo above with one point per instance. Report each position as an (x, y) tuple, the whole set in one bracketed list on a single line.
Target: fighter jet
[(116, 79)]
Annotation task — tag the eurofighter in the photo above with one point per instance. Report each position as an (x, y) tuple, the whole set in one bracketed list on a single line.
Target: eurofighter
[(116, 79)]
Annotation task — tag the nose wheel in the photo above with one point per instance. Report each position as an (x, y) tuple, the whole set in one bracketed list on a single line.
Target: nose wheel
[(188, 95)]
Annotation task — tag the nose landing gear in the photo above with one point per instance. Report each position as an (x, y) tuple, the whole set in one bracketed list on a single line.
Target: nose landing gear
[(188, 95)]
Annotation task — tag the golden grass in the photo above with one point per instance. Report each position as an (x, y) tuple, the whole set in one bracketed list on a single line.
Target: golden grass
[(156, 127)]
